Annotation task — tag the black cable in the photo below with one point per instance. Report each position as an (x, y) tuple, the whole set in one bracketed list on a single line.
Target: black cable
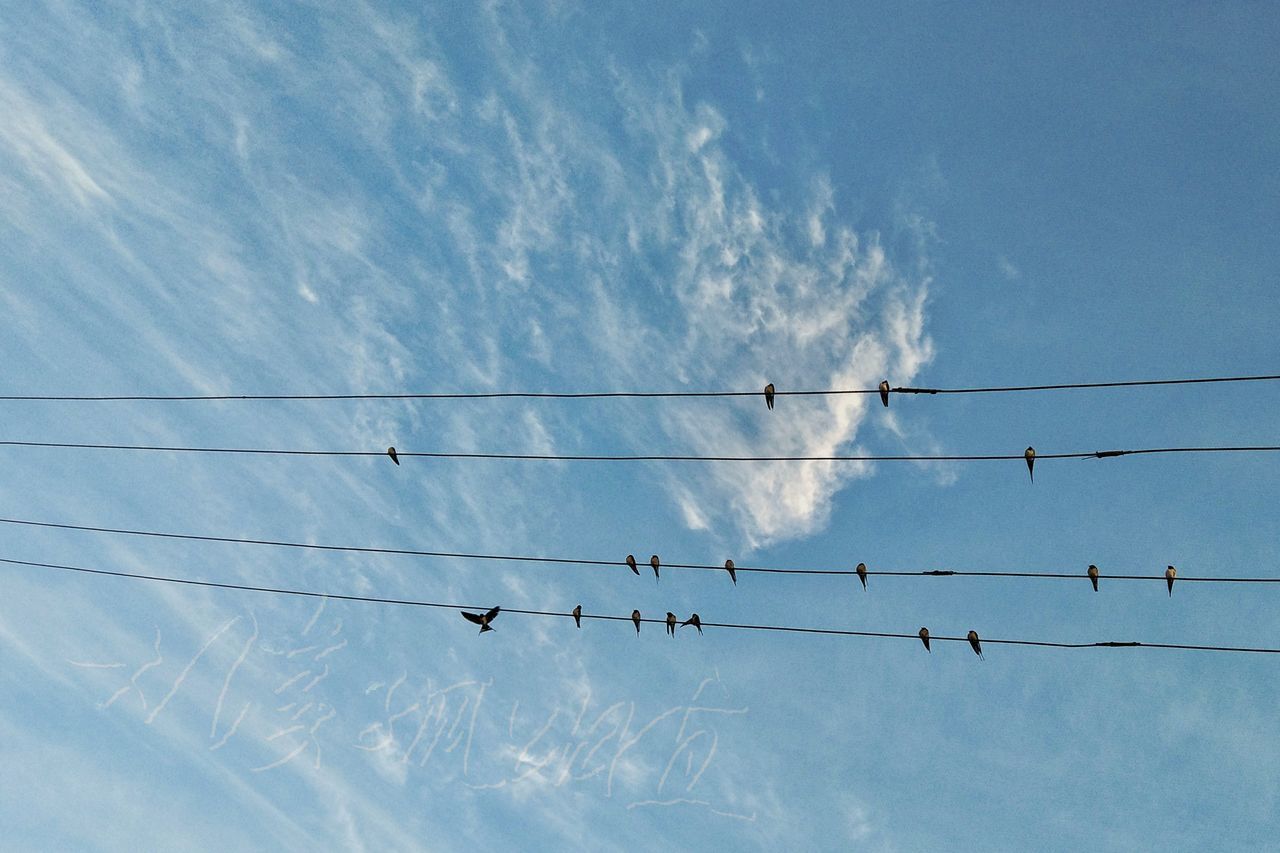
[(561, 457), (602, 617), (489, 395), (359, 549)]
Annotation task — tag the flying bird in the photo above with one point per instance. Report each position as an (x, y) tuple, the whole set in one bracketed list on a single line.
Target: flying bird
[(482, 619), (1093, 577), (768, 396), (728, 567), (653, 561), (577, 615), (694, 621), (924, 638), (671, 623), (1169, 574), (391, 451), (631, 563), (862, 574), (635, 617), (975, 643), (884, 392), (1030, 455)]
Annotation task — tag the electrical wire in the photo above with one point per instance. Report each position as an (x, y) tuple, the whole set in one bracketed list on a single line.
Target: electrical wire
[(567, 457), (1112, 644), (358, 549), (579, 395)]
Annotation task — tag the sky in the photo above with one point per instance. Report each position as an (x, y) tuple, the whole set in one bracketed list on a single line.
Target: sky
[(311, 198)]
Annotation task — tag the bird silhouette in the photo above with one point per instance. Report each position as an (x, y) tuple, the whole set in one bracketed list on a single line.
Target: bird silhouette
[(694, 621), (577, 615), (1093, 577), (924, 638), (635, 618), (1169, 574), (884, 392), (728, 567), (1030, 455), (671, 623), (391, 451), (653, 561), (975, 643), (631, 563), (768, 396), (862, 574), (482, 619)]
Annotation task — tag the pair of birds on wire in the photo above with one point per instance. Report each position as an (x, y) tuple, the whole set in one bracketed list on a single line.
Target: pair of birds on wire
[(1170, 575), (975, 642), (654, 563), (770, 392)]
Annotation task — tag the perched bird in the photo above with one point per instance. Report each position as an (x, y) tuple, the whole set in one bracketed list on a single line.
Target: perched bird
[(924, 638), (391, 451), (884, 392), (577, 615), (635, 617), (1169, 574), (671, 623), (653, 561), (862, 574), (975, 643), (728, 567), (1030, 455), (1093, 577), (694, 621), (631, 564), (482, 619), (768, 396)]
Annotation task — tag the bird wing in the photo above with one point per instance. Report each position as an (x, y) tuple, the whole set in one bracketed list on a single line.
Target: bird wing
[(492, 614), (473, 617)]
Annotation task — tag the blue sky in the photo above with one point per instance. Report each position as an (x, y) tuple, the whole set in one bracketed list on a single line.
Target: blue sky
[(261, 197)]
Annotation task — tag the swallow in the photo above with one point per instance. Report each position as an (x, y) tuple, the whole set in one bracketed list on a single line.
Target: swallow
[(671, 623), (768, 396), (975, 643), (1030, 455), (391, 451), (924, 638), (635, 617), (482, 619), (631, 563), (884, 392), (1169, 574), (862, 574), (694, 621), (1093, 577), (653, 561), (728, 567), (577, 615)]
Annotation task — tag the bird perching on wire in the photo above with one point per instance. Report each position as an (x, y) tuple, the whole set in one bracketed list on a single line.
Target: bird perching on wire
[(975, 643)]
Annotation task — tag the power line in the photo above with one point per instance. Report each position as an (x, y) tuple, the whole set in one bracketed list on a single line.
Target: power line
[(359, 549), (835, 632), (579, 395), (568, 457)]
